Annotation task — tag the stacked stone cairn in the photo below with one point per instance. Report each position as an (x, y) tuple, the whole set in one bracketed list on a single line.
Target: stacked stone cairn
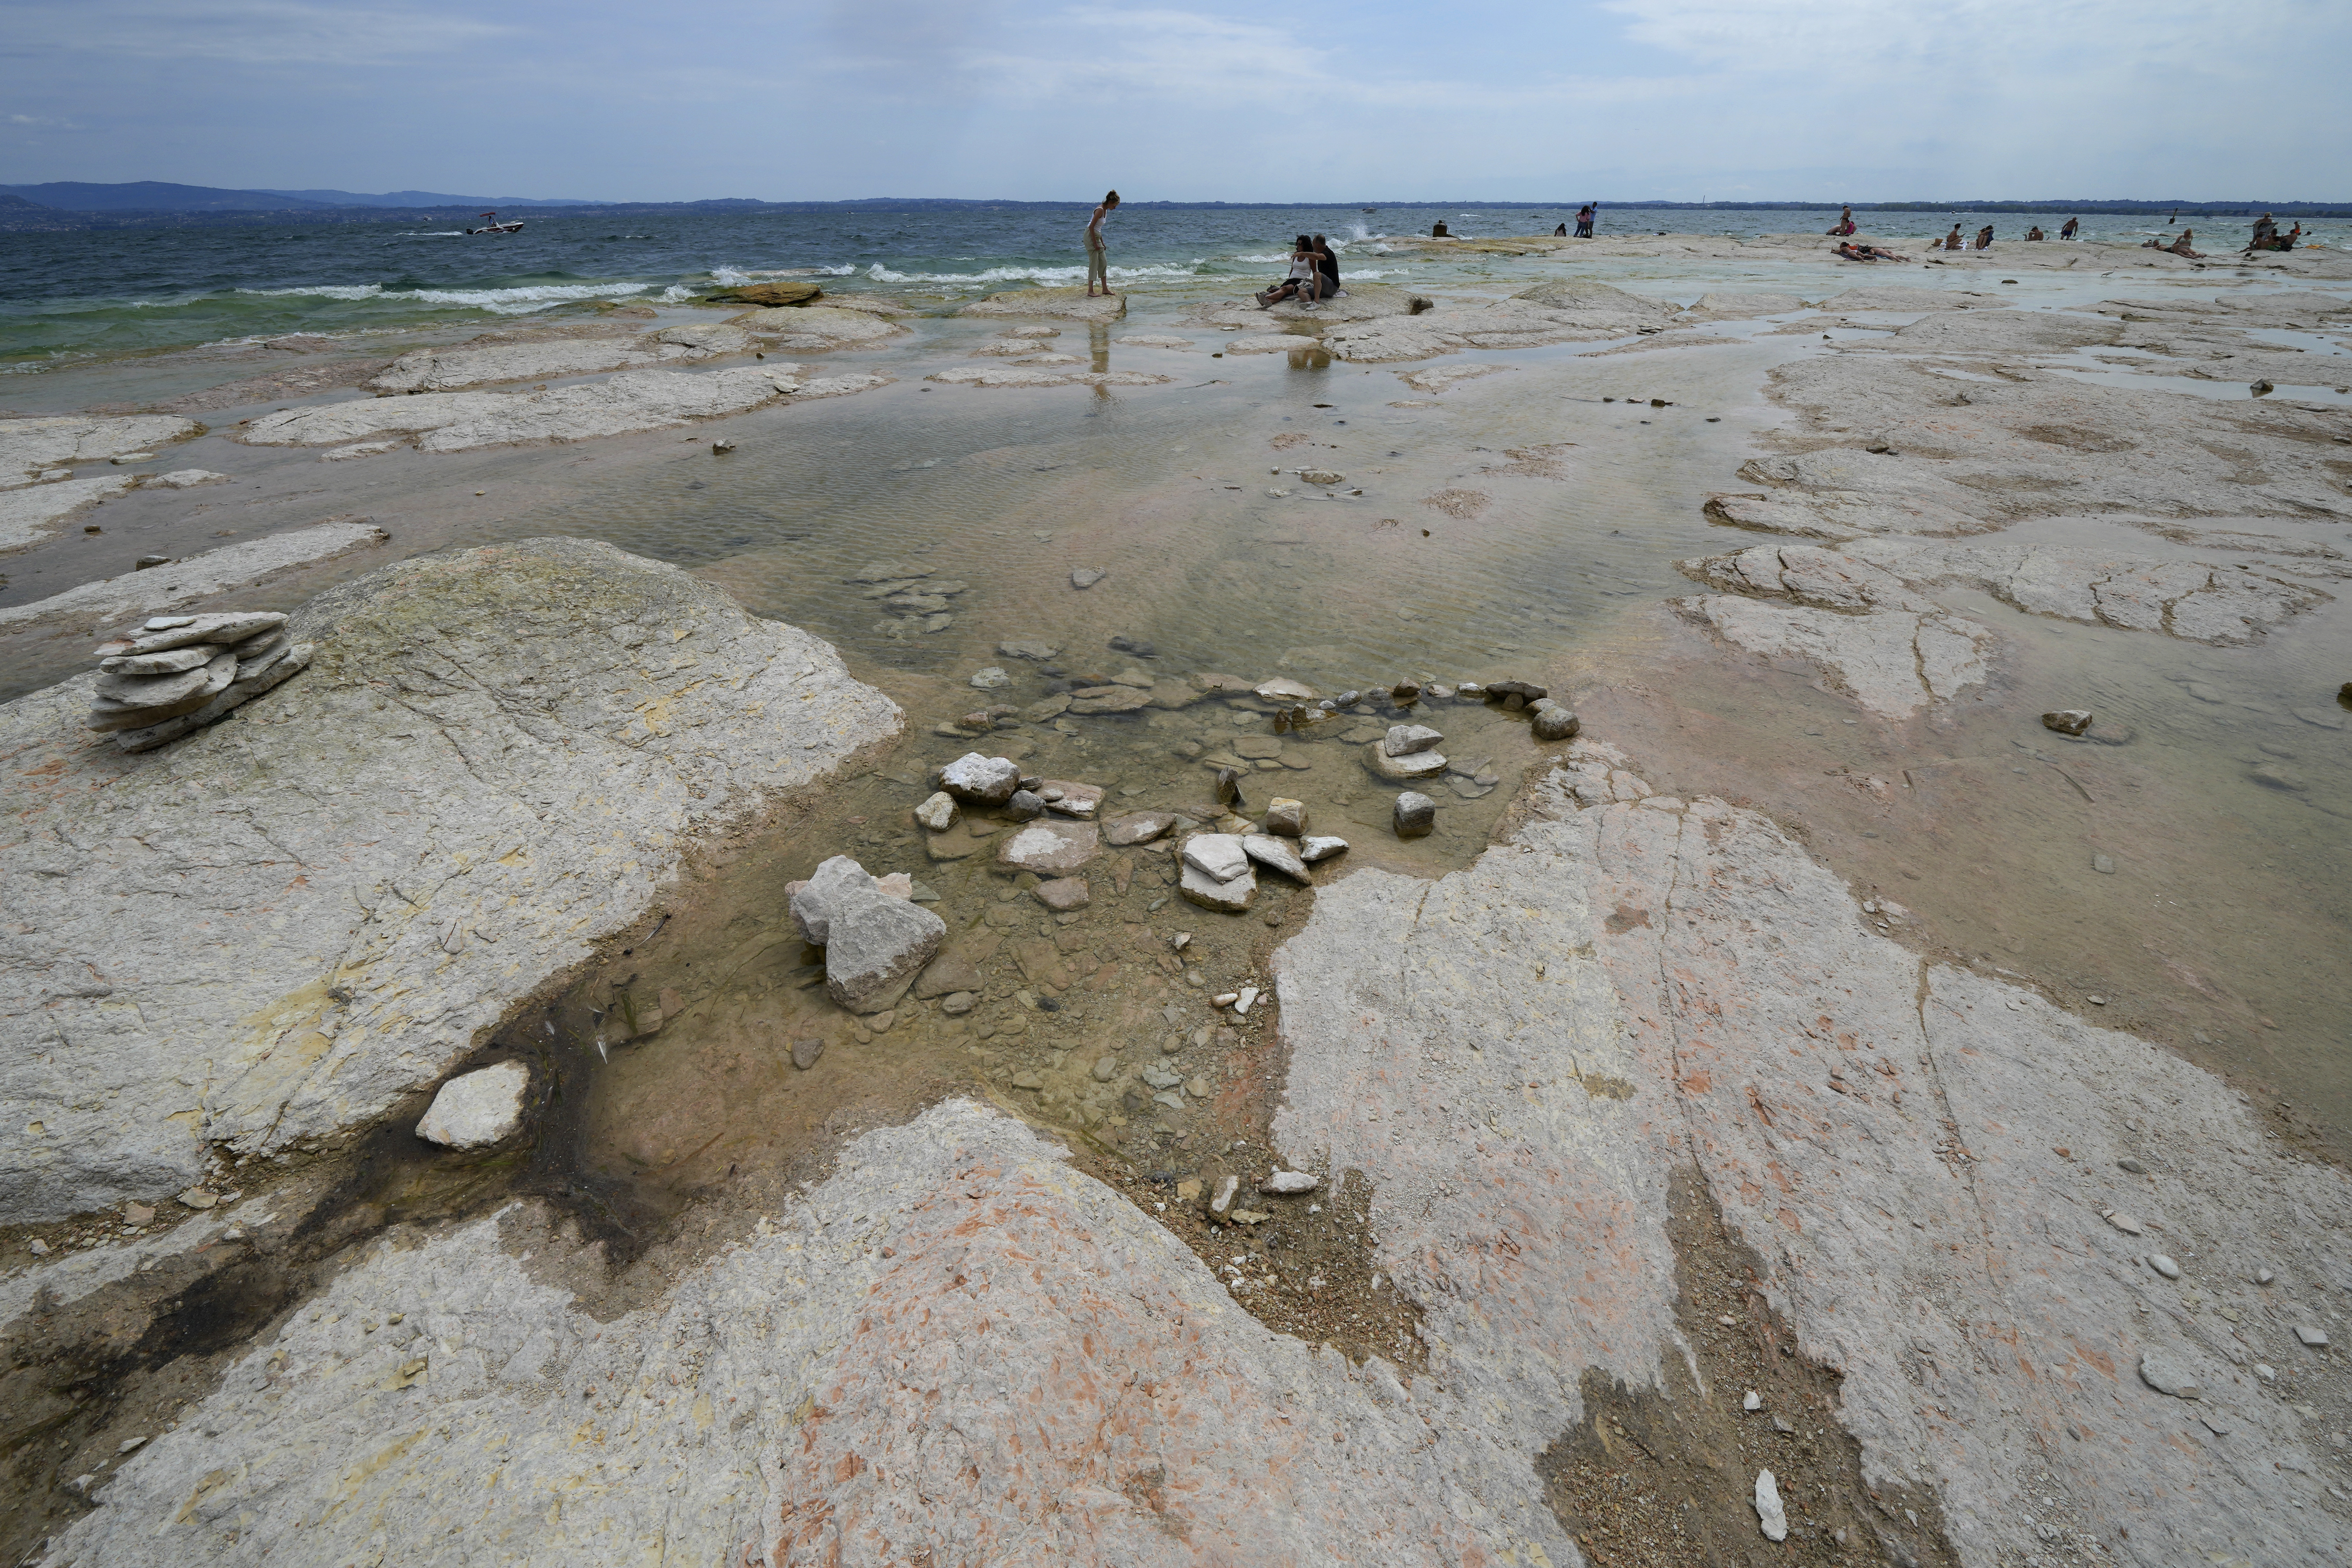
[(179, 673)]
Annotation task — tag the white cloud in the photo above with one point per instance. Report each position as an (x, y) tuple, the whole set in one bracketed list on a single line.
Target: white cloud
[(243, 32)]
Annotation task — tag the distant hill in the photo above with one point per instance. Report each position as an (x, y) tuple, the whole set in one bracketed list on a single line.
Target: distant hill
[(17, 202), (153, 196), (428, 199)]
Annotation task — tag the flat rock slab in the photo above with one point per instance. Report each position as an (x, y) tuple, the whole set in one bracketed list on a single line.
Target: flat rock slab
[(1049, 847), (1055, 304), (93, 609), (1893, 662), (456, 369), (1138, 827), (27, 447), (373, 883), (29, 515)]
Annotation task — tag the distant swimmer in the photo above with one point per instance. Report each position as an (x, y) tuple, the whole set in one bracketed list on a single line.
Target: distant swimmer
[(1098, 259), (2066, 230), (2035, 232), (1844, 223)]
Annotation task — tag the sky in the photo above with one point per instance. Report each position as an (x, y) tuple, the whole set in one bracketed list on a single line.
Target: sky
[(1036, 100)]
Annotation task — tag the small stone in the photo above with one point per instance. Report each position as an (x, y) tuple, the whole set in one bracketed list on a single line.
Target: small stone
[(1289, 1183), (2124, 1222), (880, 1022), (1180, 941), (1226, 1191), (2315, 1338), (1556, 723), (1285, 816), (2067, 721), (1284, 690), (1513, 695), (1025, 807), (875, 947), (1416, 816), (1105, 1068), (806, 1050), (2264, 1276), (1243, 1001), (1313, 847), (1087, 576), (1224, 998), (1198, 1088), (1405, 740), (1267, 850), (138, 1214), (1029, 1078), (2134, 1166), (38, 1247), (2164, 1266), (1188, 1190), (956, 1003), (1754, 1401), (1231, 896), (2168, 1375), (984, 781), (1063, 893), (2104, 865), (939, 813), (991, 678), (1138, 827), (1323, 476), (1768, 1514), (1109, 698), (1050, 847), (1065, 798), (1413, 765), (1218, 855), (1028, 647), (205, 1198)]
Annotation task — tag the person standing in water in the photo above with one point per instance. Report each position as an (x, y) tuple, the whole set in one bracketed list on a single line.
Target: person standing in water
[(1098, 259)]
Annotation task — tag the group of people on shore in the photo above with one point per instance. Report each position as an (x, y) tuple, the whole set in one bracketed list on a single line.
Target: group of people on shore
[(1313, 275)]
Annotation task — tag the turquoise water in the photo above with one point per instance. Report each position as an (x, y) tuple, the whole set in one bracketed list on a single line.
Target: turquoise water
[(67, 298)]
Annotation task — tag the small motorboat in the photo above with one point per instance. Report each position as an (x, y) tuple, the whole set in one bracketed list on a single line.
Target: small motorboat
[(491, 225)]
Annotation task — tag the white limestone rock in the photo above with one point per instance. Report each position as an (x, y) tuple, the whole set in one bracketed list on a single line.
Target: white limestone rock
[(292, 961), (30, 446), (478, 1109), (983, 780), (1217, 855), (29, 515), (875, 945)]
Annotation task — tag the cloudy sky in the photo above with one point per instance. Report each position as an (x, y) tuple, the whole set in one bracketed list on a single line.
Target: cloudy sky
[(1828, 99)]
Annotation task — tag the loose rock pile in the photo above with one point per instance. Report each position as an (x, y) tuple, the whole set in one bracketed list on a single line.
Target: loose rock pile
[(874, 939), (178, 673)]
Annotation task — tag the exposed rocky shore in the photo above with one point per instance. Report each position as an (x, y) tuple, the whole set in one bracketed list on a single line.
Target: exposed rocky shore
[(1710, 1217)]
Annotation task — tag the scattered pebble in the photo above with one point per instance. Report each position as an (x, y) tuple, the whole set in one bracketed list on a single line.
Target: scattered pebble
[(2315, 1338), (1754, 1401), (2166, 1375), (2164, 1266), (1770, 1516)]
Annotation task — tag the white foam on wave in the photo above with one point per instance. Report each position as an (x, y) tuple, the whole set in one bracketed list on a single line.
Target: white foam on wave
[(498, 301), (881, 274)]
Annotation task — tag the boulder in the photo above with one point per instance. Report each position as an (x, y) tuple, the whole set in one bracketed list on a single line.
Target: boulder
[(478, 1109), (375, 885), (1554, 722), (1407, 740), (938, 812), (1285, 816), (1320, 847), (877, 945)]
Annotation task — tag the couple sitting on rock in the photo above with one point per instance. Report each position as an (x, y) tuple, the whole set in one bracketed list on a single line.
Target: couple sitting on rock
[(1313, 275), (1849, 251)]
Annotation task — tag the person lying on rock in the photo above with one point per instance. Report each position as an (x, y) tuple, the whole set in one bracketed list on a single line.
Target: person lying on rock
[(1849, 251), (1303, 274), (2180, 247)]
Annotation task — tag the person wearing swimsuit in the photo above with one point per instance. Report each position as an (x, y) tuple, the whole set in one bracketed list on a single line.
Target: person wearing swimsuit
[(1098, 259)]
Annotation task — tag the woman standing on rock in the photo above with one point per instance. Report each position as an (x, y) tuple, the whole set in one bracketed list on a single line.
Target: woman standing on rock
[(1098, 259)]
